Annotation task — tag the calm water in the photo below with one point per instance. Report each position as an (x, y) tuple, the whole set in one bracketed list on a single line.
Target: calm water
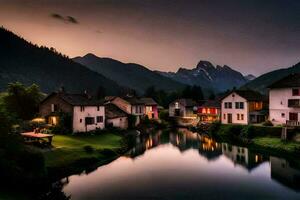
[(187, 166)]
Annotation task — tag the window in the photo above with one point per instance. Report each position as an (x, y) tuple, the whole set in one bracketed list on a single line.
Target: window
[(81, 108), (99, 119), (238, 116), (54, 107), (242, 116), (98, 108), (224, 116), (228, 105), (296, 92), (239, 105), (283, 115), (89, 120), (80, 120)]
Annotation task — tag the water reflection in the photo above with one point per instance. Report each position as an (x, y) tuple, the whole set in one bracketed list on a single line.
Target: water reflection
[(186, 165)]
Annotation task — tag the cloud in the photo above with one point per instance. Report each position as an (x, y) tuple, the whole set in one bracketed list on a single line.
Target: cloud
[(71, 20), (67, 19)]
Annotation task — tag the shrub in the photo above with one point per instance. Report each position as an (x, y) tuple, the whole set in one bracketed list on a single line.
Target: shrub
[(108, 152), (247, 132), (267, 123), (214, 128), (88, 149)]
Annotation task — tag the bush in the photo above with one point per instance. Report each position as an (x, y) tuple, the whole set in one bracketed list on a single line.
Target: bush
[(164, 115), (214, 128), (247, 132), (88, 149), (267, 123), (108, 152)]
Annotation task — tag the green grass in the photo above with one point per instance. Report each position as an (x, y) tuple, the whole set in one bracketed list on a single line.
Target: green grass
[(69, 149), (277, 144)]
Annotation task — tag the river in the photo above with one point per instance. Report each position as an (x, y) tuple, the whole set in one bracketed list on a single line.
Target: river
[(186, 165)]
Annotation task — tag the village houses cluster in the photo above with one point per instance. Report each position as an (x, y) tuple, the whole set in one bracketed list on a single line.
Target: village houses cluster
[(88, 113), (235, 107), (246, 106)]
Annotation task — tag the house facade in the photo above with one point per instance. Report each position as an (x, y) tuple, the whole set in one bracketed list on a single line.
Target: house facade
[(115, 117), (151, 108), (184, 108), (130, 105), (243, 107), (86, 113), (284, 98), (210, 111)]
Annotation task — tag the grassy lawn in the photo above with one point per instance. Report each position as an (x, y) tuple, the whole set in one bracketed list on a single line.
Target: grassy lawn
[(277, 145), (69, 149)]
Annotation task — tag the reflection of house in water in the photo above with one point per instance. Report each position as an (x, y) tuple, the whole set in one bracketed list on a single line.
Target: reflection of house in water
[(185, 140), (242, 156), (209, 148), (285, 173)]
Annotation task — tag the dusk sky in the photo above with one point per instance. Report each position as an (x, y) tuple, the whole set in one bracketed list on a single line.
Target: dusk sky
[(253, 36)]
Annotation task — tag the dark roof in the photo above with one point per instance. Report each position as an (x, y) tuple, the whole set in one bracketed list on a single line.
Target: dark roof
[(249, 95), (133, 100), (186, 102), (212, 104), (292, 80), (112, 111), (148, 101), (77, 99)]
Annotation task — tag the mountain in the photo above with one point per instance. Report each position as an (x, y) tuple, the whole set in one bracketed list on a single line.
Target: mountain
[(262, 82), (27, 63), (131, 75), (208, 76), (250, 77)]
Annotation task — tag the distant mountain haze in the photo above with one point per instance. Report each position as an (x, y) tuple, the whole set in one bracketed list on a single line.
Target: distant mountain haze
[(208, 76), (130, 75), (27, 63)]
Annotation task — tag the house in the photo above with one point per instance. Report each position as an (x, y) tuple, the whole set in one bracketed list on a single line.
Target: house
[(115, 117), (284, 97), (130, 105), (86, 113), (210, 111), (243, 107), (184, 108), (151, 108)]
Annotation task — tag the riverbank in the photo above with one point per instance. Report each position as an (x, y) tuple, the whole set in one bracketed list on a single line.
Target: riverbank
[(265, 138), (75, 153)]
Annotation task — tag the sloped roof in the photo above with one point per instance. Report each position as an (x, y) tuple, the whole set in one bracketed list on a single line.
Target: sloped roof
[(292, 80), (249, 95), (186, 102), (212, 104), (112, 111), (148, 101), (133, 100), (77, 99)]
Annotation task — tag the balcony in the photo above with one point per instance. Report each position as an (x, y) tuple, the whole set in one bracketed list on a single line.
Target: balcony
[(292, 123)]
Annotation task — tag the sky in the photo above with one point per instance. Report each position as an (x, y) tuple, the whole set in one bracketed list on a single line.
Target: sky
[(251, 36)]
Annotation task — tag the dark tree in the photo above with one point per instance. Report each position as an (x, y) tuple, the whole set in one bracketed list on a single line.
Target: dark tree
[(21, 101)]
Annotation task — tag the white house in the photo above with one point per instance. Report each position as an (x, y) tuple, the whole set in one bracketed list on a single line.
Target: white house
[(243, 107), (115, 117), (88, 117), (284, 97), (86, 113)]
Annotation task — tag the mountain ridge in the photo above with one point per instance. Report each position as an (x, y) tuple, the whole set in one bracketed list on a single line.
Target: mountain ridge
[(27, 63), (131, 75)]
